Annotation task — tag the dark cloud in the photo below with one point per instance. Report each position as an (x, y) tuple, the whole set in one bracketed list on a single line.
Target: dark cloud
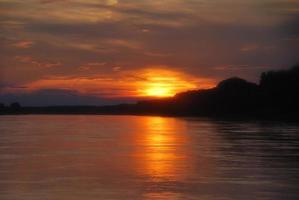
[(292, 26)]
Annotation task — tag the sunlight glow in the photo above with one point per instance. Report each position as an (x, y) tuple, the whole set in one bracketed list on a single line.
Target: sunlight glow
[(164, 83), (150, 82), (159, 90)]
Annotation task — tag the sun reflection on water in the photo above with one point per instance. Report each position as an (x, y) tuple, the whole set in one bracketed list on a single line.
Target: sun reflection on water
[(163, 156), (149, 158)]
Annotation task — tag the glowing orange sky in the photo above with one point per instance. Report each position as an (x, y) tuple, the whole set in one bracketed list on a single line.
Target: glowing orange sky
[(152, 82), (134, 48)]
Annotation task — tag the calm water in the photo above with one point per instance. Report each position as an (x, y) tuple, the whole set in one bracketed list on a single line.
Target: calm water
[(130, 157)]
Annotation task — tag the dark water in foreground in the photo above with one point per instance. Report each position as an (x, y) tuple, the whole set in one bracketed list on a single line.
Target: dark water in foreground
[(130, 157)]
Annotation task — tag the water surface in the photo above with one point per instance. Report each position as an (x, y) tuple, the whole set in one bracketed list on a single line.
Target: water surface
[(133, 157)]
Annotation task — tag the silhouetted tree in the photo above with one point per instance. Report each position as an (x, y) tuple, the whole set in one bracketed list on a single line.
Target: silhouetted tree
[(280, 89), (233, 95), (15, 106), (277, 94), (2, 106)]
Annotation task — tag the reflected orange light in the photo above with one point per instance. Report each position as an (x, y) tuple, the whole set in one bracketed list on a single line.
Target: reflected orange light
[(157, 140), (162, 155)]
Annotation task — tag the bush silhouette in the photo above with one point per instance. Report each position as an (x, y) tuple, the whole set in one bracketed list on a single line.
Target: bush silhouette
[(15, 106), (2, 106)]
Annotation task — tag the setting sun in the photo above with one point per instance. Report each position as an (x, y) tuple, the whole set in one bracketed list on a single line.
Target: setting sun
[(159, 90), (164, 82)]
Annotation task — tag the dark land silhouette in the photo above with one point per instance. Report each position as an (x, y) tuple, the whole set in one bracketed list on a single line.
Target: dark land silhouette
[(275, 97)]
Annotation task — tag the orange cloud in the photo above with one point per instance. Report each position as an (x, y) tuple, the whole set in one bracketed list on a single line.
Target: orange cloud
[(143, 83), (24, 44), (34, 62)]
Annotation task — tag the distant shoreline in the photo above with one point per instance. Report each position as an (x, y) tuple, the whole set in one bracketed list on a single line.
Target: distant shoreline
[(276, 97), (48, 110)]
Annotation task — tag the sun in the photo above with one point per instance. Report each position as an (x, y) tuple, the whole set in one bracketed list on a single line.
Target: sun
[(159, 91), (161, 83)]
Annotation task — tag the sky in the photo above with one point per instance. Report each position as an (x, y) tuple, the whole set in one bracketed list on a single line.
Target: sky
[(98, 52)]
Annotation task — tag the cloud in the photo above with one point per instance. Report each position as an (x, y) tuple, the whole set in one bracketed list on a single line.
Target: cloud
[(96, 40), (23, 44), (34, 62), (91, 66), (250, 47), (52, 1), (111, 2), (128, 84)]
